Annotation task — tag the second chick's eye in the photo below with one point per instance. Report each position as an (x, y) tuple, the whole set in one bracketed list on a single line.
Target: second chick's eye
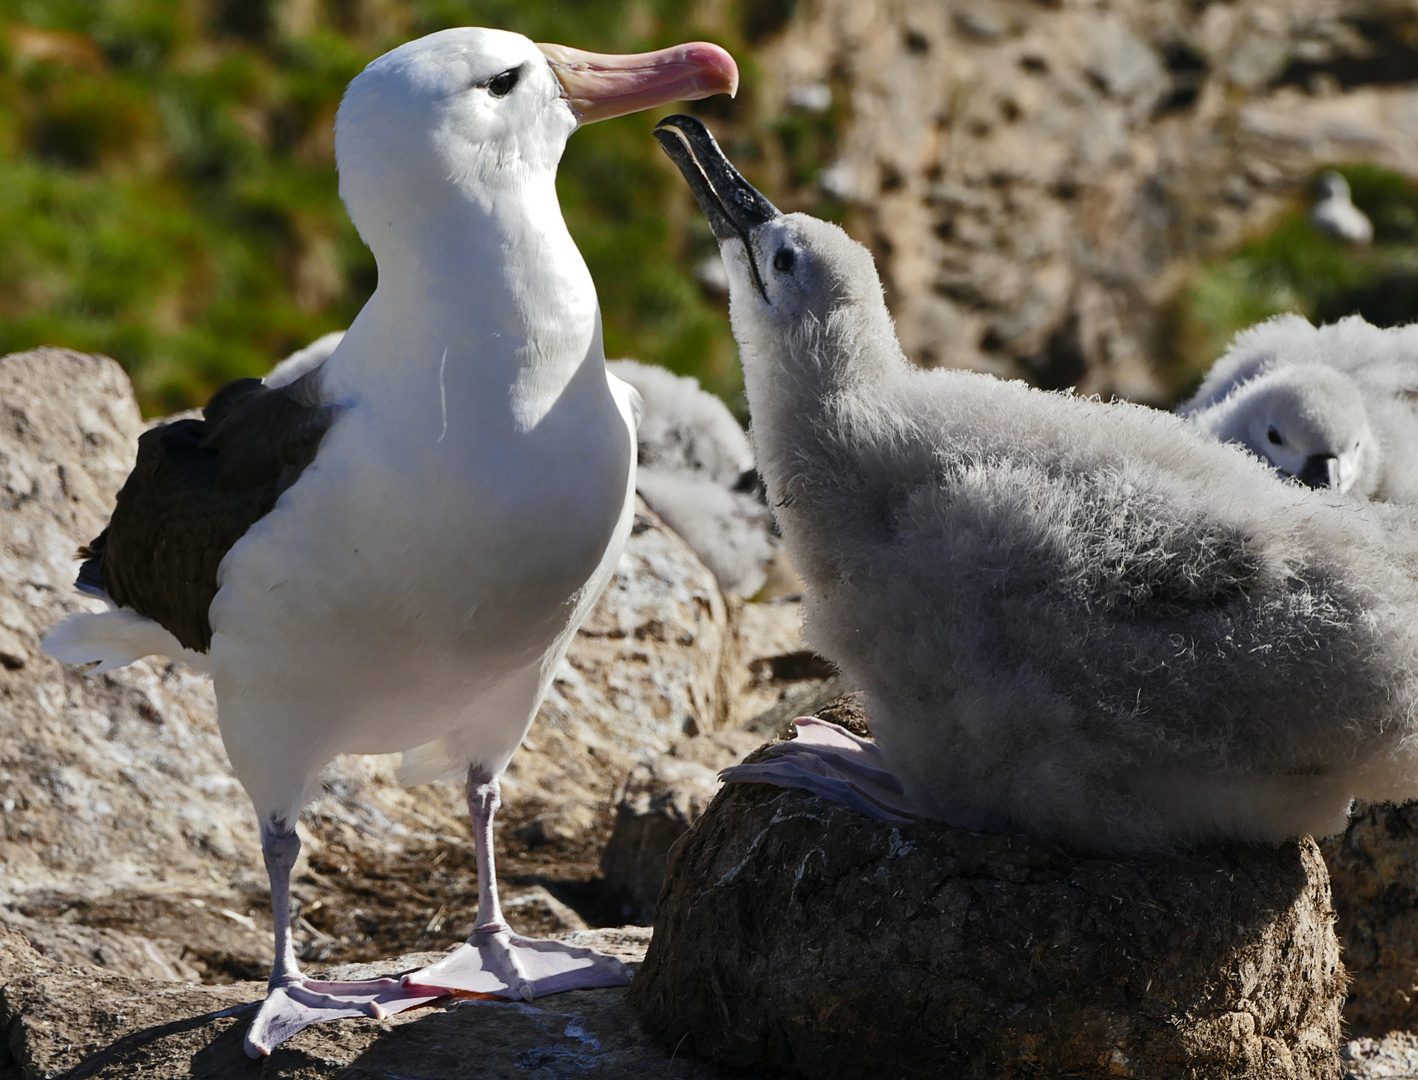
[(784, 260), (1274, 437), (501, 85)]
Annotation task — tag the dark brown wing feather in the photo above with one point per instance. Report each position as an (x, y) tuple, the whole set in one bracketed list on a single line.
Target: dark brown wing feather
[(195, 489)]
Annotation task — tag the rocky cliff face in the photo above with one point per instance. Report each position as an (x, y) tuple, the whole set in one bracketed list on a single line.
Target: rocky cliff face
[(1036, 178)]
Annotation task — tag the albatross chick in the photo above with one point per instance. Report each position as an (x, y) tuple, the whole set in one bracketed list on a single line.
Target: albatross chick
[(1078, 619)]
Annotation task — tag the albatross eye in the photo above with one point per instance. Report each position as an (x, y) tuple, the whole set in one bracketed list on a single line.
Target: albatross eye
[(501, 85), (1274, 437), (784, 260)]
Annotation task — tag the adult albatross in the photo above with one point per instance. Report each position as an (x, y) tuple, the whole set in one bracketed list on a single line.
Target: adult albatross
[(392, 551)]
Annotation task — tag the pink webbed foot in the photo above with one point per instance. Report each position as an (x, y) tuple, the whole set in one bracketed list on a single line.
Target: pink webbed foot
[(500, 963), (831, 762), (297, 1004)]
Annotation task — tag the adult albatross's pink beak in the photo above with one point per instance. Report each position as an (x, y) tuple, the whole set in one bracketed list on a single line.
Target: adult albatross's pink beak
[(600, 86)]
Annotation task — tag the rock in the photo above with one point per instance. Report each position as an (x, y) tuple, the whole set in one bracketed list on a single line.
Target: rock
[(656, 805), (538, 906), (830, 699), (61, 1020), (1394, 1057), (88, 946), (767, 661), (1375, 882), (118, 780), (125, 840), (642, 672), (799, 936), (659, 801), (766, 673)]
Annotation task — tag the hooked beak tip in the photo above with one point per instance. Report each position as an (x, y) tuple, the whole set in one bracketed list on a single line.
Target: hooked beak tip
[(599, 86)]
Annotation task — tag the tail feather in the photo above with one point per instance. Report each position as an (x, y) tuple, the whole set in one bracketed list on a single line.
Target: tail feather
[(434, 760), (114, 638)]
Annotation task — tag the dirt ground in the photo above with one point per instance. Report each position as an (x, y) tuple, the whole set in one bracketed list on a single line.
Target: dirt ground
[(358, 903)]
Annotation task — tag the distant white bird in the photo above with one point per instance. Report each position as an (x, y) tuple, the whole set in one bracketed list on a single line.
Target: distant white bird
[(1083, 620), (1333, 406), (390, 550), (1335, 214), (696, 471)]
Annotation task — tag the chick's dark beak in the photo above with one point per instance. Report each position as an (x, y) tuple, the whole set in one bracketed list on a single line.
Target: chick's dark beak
[(732, 206), (1320, 471)]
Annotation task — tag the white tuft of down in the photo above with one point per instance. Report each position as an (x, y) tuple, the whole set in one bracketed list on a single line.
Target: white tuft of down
[(1335, 214), (305, 360), (114, 638)]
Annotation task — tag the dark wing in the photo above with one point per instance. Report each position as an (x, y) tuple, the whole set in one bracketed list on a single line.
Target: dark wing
[(195, 489)]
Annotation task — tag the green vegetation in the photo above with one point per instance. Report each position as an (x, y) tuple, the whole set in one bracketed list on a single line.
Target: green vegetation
[(168, 191), (1296, 268)]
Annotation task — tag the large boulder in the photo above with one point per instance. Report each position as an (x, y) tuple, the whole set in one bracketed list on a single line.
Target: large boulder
[(798, 936), (117, 780), (766, 679), (656, 805), (642, 672)]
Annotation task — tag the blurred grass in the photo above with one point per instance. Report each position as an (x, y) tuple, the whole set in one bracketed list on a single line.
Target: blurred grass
[(1296, 268), (168, 192)]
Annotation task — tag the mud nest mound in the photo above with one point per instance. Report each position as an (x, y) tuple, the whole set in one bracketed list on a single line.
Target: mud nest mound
[(797, 937)]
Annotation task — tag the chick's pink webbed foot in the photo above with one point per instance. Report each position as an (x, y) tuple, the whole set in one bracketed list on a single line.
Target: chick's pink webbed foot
[(831, 762)]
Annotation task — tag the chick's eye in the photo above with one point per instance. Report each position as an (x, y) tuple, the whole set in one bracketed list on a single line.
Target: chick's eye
[(501, 85), (784, 260), (1274, 437)]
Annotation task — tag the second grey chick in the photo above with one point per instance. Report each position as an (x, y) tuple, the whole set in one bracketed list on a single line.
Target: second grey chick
[(1333, 406)]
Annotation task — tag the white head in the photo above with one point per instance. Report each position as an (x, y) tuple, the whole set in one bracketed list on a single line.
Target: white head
[(1332, 186), (794, 281), (482, 111), (1309, 421)]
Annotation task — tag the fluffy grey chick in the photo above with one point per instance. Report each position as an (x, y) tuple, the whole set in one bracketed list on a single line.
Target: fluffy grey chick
[(696, 471), (1334, 406), (1079, 619), (1335, 214)]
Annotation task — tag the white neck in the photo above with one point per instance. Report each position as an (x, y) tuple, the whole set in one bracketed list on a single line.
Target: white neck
[(483, 291)]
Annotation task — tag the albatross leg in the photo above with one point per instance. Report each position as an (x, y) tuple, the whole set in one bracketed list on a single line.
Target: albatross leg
[(293, 1001), (495, 960), (832, 763)]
